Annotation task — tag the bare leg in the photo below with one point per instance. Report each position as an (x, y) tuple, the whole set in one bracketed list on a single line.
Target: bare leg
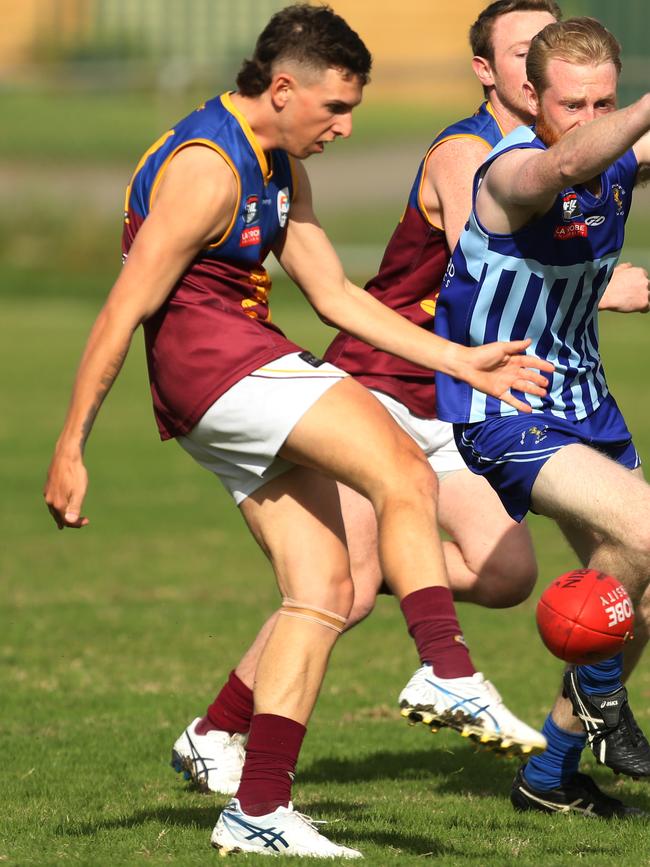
[(247, 665), (403, 493), (297, 521), (603, 510), (490, 559)]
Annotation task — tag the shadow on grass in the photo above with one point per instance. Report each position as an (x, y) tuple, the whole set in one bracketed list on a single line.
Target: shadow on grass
[(204, 818), (450, 770), (455, 771)]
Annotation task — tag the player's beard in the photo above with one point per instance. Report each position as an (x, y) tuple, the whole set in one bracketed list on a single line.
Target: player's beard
[(544, 132)]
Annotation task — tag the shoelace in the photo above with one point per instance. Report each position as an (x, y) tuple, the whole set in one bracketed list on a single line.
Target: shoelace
[(309, 821)]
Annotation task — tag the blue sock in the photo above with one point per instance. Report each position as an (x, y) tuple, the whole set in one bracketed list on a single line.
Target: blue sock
[(558, 762), (601, 678)]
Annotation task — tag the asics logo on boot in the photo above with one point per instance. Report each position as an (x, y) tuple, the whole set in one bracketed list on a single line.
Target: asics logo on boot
[(609, 704)]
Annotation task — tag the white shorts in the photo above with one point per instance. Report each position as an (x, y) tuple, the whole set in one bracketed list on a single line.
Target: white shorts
[(435, 437), (239, 437)]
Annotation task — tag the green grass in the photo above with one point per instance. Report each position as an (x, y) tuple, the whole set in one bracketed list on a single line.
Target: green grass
[(113, 638)]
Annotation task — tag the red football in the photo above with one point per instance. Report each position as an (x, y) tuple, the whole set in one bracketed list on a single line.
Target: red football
[(585, 616)]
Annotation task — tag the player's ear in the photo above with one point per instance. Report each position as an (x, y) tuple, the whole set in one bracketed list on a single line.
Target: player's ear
[(531, 97), (483, 71), (280, 89)]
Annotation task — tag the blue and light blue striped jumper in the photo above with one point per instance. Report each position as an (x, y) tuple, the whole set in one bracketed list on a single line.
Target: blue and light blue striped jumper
[(544, 281)]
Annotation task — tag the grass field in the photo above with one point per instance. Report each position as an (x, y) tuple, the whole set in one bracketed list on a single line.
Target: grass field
[(112, 639), (115, 637)]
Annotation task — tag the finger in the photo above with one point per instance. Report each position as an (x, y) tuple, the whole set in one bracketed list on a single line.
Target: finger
[(528, 387), (537, 378), (538, 363), (73, 518), (79, 522), (55, 514), (515, 347), (519, 405)]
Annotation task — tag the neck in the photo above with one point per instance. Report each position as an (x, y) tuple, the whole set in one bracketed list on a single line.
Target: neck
[(255, 110), (507, 117)]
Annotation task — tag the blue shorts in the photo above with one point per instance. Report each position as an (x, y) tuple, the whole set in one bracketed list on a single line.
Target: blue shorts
[(511, 450)]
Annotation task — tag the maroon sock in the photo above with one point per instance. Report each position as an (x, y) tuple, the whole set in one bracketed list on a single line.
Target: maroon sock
[(232, 709), (432, 623), (271, 755)]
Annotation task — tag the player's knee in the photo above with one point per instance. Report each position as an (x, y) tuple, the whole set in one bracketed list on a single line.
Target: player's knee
[(642, 546), (340, 595), (412, 478), (327, 605), (361, 607), (507, 585), (330, 589)]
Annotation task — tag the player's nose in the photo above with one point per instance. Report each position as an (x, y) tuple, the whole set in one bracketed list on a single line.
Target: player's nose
[(343, 125)]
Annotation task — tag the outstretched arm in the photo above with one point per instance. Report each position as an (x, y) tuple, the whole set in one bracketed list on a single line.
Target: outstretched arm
[(192, 207), (522, 183), (310, 260)]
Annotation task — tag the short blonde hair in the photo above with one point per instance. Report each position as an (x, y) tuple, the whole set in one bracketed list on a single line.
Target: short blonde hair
[(576, 40)]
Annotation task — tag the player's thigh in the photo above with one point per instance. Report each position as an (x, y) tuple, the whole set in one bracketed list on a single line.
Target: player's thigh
[(296, 519), (361, 533), (472, 513), (583, 540), (580, 486), (349, 435)]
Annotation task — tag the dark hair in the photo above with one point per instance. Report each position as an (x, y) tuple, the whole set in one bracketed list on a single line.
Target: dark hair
[(480, 33), (576, 40), (311, 35)]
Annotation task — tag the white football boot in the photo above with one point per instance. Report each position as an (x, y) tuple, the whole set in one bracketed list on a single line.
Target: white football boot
[(470, 706), (213, 761), (282, 832)]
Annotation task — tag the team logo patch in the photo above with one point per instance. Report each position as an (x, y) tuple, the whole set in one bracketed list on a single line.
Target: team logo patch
[(251, 210), (573, 225), (538, 435), (283, 206), (570, 208), (250, 236), (617, 193)]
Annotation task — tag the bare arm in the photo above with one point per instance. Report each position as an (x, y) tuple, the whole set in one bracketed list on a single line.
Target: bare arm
[(628, 291), (522, 183), (642, 153), (310, 260), (193, 206), (446, 192)]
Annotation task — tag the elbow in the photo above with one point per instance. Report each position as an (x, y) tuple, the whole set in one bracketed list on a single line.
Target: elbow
[(568, 173)]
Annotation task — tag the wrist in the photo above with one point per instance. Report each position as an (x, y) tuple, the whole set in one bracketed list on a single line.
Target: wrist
[(70, 446), (453, 359)]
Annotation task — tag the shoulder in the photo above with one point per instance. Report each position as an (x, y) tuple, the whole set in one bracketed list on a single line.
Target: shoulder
[(482, 127)]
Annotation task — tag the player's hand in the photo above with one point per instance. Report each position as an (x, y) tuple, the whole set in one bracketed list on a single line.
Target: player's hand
[(65, 489), (628, 290), (496, 368)]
